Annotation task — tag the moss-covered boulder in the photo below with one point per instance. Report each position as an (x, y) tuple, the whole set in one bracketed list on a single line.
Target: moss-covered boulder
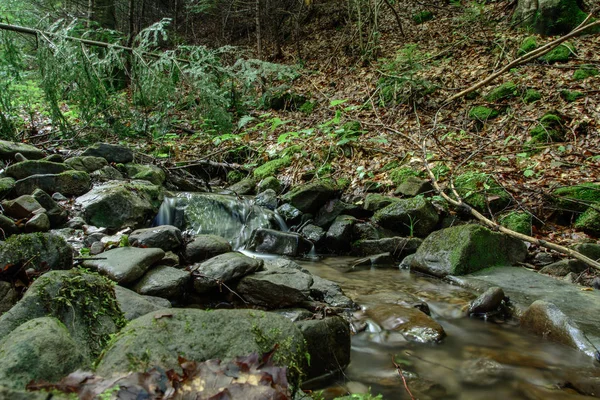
[(482, 113), (84, 302), (88, 164), (399, 175), (464, 249), (504, 91), (271, 168), (408, 217), (27, 168), (577, 198), (146, 172), (571, 95), (531, 96), (113, 153), (589, 221), (40, 349), (269, 182), (40, 251), (480, 190), (158, 338), (68, 183), (9, 149), (528, 44), (309, 197), (561, 53), (116, 205), (422, 17), (6, 186), (517, 221), (375, 201), (549, 129), (243, 187), (584, 72), (549, 17)]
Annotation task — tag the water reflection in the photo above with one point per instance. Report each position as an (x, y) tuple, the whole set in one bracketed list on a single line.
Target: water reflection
[(477, 359)]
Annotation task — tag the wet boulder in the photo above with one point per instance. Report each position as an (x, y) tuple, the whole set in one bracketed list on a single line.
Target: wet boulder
[(57, 215), (40, 251), (40, 349), (135, 305), (314, 233), (27, 168), (488, 302), (38, 223), (163, 281), (335, 208), (413, 324), (125, 264), (165, 237), (204, 247), (464, 249), (309, 197), (375, 202), (8, 150), (328, 343), (243, 187), (84, 302), (110, 152), (329, 292), (68, 183), (6, 186), (276, 288), (116, 205), (408, 217), (381, 260), (398, 247), (546, 319), (203, 335), (222, 269), (267, 199), (8, 226), (25, 206), (146, 172), (276, 242), (88, 164), (339, 235)]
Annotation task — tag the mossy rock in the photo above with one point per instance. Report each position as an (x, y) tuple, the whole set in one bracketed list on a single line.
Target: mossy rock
[(527, 45), (408, 217), (399, 175), (40, 251), (482, 113), (577, 198), (571, 95), (478, 189), (309, 197), (517, 221), (68, 183), (146, 172), (375, 201), (9, 149), (270, 168), (422, 17), (549, 129), (531, 96), (561, 53), (27, 168), (235, 176), (270, 182), (6, 186), (504, 91), (549, 17), (464, 249), (584, 72), (589, 221)]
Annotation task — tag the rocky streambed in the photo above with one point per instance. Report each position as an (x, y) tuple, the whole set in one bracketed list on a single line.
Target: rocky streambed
[(88, 283)]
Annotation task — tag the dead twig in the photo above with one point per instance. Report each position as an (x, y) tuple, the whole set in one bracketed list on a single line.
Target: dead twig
[(399, 371)]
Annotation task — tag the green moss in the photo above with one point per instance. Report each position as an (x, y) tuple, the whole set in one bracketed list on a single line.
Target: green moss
[(477, 187), (589, 221), (577, 197), (308, 107), (422, 17), (234, 176), (561, 53), (517, 221), (549, 129), (270, 168), (482, 113), (390, 165), (399, 175), (504, 91), (531, 96), (585, 71), (528, 44), (571, 95), (343, 183)]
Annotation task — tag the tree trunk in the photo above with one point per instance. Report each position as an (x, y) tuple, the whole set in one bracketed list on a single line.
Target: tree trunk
[(258, 30)]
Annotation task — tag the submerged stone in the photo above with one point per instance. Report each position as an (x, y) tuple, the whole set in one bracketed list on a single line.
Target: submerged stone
[(413, 324)]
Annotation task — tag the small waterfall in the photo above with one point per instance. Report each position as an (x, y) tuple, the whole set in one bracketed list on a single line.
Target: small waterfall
[(234, 218)]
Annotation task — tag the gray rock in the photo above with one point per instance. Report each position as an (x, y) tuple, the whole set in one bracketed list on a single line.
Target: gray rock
[(125, 264), (314, 233), (135, 305), (269, 183), (106, 174), (591, 250), (111, 152), (41, 251), (88, 164), (415, 216), (40, 349), (329, 292), (38, 223), (413, 324), (290, 214), (204, 247), (27, 168), (563, 267), (59, 197), (223, 268), (276, 242), (243, 187), (328, 343), (489, 301), (267, 199), (398, 247), (56, 158), (375, 202), (146, 172), (275, 288), (335, 208), (166, 237), (413, 186), (25, 206), (339, 235), (69, 183), (309, 197), (8, 297), (84, 302), (57, 215), (96, 248), (9, 149), (163, 281), (549, 17), (203, 335), (6, 186), (464, 249), (543, 258), (76, 223), (20, 157), (116, 205), (547, 320), (170, 259)]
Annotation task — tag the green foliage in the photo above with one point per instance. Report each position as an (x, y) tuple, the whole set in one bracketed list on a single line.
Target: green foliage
[(308, 107), (585, 71), (422, 17), (482, 113), (528, 44), (531, 96), (561, 53), (571, 95), (504, 91), (399, 82)]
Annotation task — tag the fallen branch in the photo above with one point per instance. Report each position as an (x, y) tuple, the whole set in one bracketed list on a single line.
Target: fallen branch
[(527, 57)]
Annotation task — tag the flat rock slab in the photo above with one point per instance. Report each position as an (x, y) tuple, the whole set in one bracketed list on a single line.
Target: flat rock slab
[(523, 287), (125, 264), (163, 281)]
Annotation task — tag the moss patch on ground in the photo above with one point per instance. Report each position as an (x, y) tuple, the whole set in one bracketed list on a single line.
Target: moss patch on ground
[(504, 91), (482, 113), (270, 168)]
